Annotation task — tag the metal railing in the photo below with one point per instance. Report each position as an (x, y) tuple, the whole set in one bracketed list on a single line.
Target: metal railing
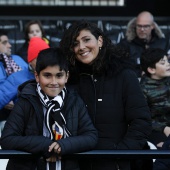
[(109, 154)]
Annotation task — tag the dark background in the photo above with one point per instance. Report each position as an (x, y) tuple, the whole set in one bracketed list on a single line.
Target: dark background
[(131, 8), (55, 19)]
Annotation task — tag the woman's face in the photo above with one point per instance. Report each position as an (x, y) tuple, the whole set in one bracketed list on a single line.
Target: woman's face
[(52, 80), (86, 47), (34, 31)]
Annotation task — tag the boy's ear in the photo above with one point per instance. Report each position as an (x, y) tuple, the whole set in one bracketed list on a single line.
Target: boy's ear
[(151, 70), (36, 77)]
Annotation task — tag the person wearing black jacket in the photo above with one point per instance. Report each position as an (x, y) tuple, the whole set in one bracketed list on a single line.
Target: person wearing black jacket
[(49, 119), (143, 32), (99, 71)]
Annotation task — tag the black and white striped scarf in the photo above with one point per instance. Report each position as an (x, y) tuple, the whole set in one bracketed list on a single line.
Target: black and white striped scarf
[(54, 119)]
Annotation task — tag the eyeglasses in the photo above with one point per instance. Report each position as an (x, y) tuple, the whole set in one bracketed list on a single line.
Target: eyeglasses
[(145, 27)]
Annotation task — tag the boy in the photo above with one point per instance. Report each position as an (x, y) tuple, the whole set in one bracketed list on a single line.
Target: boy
[(155, 84), (48, 119)]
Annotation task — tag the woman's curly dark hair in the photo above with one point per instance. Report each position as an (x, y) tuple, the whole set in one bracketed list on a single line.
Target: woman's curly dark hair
[(111, 58)]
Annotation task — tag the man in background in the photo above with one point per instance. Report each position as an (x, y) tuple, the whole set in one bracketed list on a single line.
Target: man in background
[(15, 71), (9, 65), (142, 33)]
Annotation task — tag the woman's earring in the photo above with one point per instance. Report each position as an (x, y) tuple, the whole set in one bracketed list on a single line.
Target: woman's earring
[(100, 48)]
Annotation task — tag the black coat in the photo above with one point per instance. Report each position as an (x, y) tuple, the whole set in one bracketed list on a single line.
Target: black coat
[(136, 47), (24, 129), (120, 114)]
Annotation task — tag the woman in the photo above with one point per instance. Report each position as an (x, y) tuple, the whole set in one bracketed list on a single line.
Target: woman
[(48, 120), (111, 91)]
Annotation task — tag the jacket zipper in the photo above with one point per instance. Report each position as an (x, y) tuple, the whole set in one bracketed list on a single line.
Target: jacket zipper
[(93, 82)]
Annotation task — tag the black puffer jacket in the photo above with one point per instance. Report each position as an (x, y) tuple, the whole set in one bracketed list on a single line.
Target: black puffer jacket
[(120, 114), (24, 129), (136, 46)]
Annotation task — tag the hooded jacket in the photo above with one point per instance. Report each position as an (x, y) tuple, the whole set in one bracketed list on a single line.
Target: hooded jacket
[(136, 46), (24, 129)]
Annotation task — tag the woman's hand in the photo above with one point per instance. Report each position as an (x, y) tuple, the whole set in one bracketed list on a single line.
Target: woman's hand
[(167, 131), (160, 144), (10, 105)]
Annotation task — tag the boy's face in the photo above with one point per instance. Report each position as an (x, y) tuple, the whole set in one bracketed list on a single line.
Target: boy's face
[(162, 69), (52, 80)]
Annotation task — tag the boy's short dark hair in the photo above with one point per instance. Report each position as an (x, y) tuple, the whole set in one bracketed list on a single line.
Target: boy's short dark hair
[(51, 57), (150, 57)]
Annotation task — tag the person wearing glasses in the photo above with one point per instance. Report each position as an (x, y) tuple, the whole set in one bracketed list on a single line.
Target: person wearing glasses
[(142, 33)]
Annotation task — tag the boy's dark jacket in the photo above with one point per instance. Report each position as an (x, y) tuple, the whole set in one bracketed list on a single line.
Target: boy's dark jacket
[(24, 129)]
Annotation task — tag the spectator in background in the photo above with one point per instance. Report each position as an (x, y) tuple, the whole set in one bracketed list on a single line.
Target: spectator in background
[(142, 33), (100, 72), (49, 119), (9, 83), (35, 46), (33, 28), (10, 66), (14, 80), (155, 84)]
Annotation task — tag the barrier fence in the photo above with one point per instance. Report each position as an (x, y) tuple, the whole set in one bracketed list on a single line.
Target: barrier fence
[(94, 154)]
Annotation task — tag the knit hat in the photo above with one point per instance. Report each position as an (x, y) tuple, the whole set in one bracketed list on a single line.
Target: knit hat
[(36, 44)]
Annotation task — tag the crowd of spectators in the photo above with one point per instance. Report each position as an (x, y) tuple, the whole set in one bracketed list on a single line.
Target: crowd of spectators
[(129, 78)]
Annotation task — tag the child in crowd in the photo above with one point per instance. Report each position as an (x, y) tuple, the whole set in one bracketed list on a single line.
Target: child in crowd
[(155, 84), (36, 44), (49, 119), (33, 28)]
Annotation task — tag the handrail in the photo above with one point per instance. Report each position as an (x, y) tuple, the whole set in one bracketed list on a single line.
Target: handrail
[(109, 154)]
